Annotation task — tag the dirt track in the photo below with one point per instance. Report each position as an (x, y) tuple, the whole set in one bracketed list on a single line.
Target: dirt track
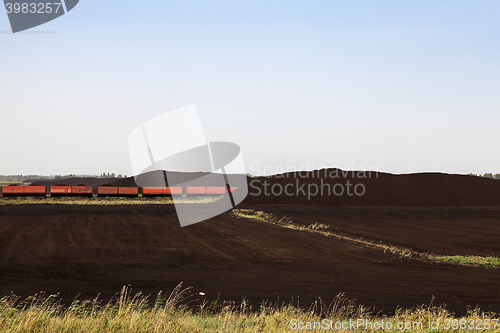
[(98, 249), (446, 231)]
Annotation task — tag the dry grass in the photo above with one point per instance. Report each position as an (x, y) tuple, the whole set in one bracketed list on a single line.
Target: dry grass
[(134, 313)]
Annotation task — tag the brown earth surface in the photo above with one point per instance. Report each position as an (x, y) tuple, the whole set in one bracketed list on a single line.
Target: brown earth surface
[(89, 250), (337, 187), (441, 231)]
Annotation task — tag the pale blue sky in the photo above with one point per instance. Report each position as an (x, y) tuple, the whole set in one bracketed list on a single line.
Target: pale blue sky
[(403, 86)]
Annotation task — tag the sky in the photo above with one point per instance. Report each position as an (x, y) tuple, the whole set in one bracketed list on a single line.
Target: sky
[(396, 86)]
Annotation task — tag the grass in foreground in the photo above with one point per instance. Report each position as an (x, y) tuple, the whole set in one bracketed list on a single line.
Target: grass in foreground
[(129, 313), (325, 230)]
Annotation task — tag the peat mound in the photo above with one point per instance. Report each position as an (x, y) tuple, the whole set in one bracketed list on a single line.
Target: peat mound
[(362, 188)]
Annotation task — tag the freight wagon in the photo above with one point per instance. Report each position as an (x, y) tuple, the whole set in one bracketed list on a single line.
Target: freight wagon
[(23, 191), (109, 191)]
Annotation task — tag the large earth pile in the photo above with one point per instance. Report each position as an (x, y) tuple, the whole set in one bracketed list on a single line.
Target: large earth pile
[(86, 181), (347, 188), (337, 187)]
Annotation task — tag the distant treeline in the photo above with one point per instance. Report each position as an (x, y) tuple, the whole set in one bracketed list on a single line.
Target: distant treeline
[(14, 179), (111, 175), (102, 175), (19, 178), (487, 175)]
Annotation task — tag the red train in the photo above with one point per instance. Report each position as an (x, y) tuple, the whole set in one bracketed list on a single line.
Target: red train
[(109, 191)]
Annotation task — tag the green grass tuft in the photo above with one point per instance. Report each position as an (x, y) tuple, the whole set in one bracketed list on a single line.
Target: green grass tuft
[(471, 260)]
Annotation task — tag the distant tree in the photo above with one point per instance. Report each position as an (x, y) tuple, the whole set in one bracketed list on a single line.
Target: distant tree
[(109, 175), (497, 176), (488, 175)]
